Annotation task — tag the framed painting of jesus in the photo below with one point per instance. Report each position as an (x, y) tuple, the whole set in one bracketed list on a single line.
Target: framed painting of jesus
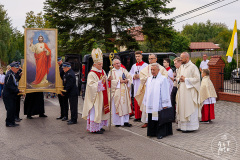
[(40, 69)]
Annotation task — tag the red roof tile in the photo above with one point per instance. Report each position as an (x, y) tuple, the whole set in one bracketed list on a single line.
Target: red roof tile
[(203, 45), (136, 33)]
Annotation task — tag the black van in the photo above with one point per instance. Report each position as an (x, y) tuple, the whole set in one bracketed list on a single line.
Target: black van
[(76, 65), (127, 59)]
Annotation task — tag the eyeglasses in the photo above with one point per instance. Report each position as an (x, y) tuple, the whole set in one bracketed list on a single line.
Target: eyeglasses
[(151, 58)]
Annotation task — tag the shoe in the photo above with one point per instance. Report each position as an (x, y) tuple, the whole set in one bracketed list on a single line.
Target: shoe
[(160, 137), (187, 131), (137, 120), (18, 120), (42, 115), (59, 118), (178, 129), (102, 129), (117, 125), (71, 122), (145, 125), (10, 125), (64, 119), (98, 132), (127, 125), (30, 117)]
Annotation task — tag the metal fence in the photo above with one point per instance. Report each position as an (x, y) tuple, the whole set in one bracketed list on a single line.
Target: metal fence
[(230, 80)]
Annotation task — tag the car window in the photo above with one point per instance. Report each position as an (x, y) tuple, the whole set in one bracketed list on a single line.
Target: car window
[(172, 58), (127, 61), (160, 58), (75, 64)]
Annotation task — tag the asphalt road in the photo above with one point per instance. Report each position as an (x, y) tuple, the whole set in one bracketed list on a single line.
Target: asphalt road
[(51, 139)]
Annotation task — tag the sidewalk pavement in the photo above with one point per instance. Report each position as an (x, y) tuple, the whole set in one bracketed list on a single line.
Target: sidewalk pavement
[(200, 142)]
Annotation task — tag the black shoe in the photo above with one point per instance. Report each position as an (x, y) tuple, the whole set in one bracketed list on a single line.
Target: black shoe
[(102, 129), (98, 132), (71, 122), (42, 115), (137, 120), (18, 120), (30, 117), (117, 125), (64, 119), (10, 125), (59, 118), (178, 129), (127, 125), (160, 137)]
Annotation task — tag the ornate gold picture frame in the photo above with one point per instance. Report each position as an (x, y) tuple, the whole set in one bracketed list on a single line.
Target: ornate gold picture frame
[(40, 68)]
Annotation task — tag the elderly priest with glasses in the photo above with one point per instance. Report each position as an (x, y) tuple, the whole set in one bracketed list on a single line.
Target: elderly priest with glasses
[(157, 98)]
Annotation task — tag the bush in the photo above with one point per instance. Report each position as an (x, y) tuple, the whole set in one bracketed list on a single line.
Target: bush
[(198, 62)]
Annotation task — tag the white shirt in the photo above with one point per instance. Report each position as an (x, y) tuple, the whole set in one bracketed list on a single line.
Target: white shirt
[(2, 77), (204, 64)]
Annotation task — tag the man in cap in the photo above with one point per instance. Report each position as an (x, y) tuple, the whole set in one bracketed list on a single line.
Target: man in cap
[(96, 105), (10, 92), (17, 77), (69, 83), (61, 98)]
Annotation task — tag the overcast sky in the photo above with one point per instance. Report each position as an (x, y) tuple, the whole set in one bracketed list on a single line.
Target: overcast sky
[(17, 10)]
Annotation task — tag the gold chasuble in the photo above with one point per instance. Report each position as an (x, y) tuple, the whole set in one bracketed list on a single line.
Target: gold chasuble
[(94, 98), (188, 95), (120, 91)]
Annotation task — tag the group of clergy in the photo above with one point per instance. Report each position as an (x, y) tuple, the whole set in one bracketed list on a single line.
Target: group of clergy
[(155, 88)]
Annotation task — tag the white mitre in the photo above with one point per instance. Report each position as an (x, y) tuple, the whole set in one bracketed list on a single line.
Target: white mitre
[(97, 55)]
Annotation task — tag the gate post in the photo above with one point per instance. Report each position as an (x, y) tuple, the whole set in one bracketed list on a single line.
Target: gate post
[(216, 67)]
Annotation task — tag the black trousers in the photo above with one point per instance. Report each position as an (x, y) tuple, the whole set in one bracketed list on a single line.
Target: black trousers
[(173, 99), (65, 106), (18, 100), (61, 102), (74, 108), (154, 130), (10, 105)]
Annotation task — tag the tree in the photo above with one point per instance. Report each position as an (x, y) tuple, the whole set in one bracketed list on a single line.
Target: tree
[(106, 21), (179, 43), (35, 21), (11, 40), (201, 32)]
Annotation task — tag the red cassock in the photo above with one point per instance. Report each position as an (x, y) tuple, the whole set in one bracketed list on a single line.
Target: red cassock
[(208, 112), (43, 63), (138, 112)]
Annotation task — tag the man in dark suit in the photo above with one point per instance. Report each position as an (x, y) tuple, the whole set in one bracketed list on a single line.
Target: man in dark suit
[(18, 101), (69, 82), (61, 98), (10, 92)]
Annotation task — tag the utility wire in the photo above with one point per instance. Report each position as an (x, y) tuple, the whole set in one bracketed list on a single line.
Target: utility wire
[(197, 9), (206, 12)]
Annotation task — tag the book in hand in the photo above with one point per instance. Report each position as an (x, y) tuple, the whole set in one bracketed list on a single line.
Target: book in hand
[(123, 76)]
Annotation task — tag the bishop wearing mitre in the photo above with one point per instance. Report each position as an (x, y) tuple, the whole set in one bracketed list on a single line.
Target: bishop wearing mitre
[(121, 82), (144, 74), (96, 105)]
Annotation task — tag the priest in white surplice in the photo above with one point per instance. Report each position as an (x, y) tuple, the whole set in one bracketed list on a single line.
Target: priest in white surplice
[(144, 74), (157, 99), (188, 108), (96, 105), (121, 82)]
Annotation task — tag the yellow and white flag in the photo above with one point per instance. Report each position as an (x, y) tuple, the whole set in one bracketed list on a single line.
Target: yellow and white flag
[(233, 43)]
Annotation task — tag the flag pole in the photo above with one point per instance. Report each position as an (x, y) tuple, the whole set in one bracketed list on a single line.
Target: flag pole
[(237, 52), (111, 56)]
